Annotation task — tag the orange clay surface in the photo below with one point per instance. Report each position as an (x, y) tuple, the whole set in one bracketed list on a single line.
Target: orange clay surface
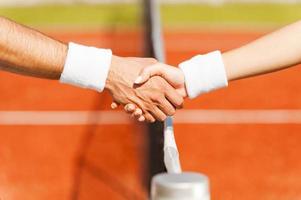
[(243, 162)]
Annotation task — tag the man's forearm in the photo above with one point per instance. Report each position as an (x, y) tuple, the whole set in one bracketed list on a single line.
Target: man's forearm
[(275, 51), (26, 51)]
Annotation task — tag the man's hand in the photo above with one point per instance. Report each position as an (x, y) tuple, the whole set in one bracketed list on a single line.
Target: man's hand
[(156, 98), (174, 76)]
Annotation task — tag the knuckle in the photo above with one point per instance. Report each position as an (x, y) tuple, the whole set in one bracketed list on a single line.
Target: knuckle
[(148, 107), (147, 115), (179, 102), (162, 118), (171, 112), (168, 109)]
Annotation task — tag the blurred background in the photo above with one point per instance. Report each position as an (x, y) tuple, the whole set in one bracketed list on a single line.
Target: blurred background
[(62, 142)]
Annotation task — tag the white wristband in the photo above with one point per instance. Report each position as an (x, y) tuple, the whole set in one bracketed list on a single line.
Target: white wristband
[(86, 67), (204, 73)]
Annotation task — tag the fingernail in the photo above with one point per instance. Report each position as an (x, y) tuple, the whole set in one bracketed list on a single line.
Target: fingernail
[(130, 107), (138, 112), (141, 119), (138, 80), (113, 105)]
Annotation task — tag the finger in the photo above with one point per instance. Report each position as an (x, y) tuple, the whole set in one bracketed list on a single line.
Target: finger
[(141, 119), (114, 105), (158, 114), (163, 104), (148, 110), (149, 117), (130, 108), (174, 97), (166, 107), (138, 112)]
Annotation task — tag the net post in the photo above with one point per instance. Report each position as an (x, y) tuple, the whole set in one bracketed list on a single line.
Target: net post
[(155, 130)]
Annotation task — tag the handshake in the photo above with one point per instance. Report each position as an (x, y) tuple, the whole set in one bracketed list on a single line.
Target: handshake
[(147, 89)]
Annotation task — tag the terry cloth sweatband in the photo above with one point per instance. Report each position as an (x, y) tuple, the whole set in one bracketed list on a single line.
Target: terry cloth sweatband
[(204, 73), (86, 67)]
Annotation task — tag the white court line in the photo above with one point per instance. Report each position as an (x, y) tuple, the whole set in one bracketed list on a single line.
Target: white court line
[(118, 117), (239, 116), (62, 117)]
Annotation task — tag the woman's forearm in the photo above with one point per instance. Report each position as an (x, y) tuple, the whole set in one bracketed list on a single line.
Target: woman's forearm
[(26, 51), (275, 51)]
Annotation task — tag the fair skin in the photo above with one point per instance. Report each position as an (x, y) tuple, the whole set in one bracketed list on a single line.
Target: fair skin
[(28, 52), (273, 52)]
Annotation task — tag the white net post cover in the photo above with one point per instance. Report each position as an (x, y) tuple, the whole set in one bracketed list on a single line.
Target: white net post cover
[(183, 186)]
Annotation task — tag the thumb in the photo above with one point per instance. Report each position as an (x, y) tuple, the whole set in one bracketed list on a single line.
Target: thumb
[(171, 74), (157, 69), (145, 74)]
